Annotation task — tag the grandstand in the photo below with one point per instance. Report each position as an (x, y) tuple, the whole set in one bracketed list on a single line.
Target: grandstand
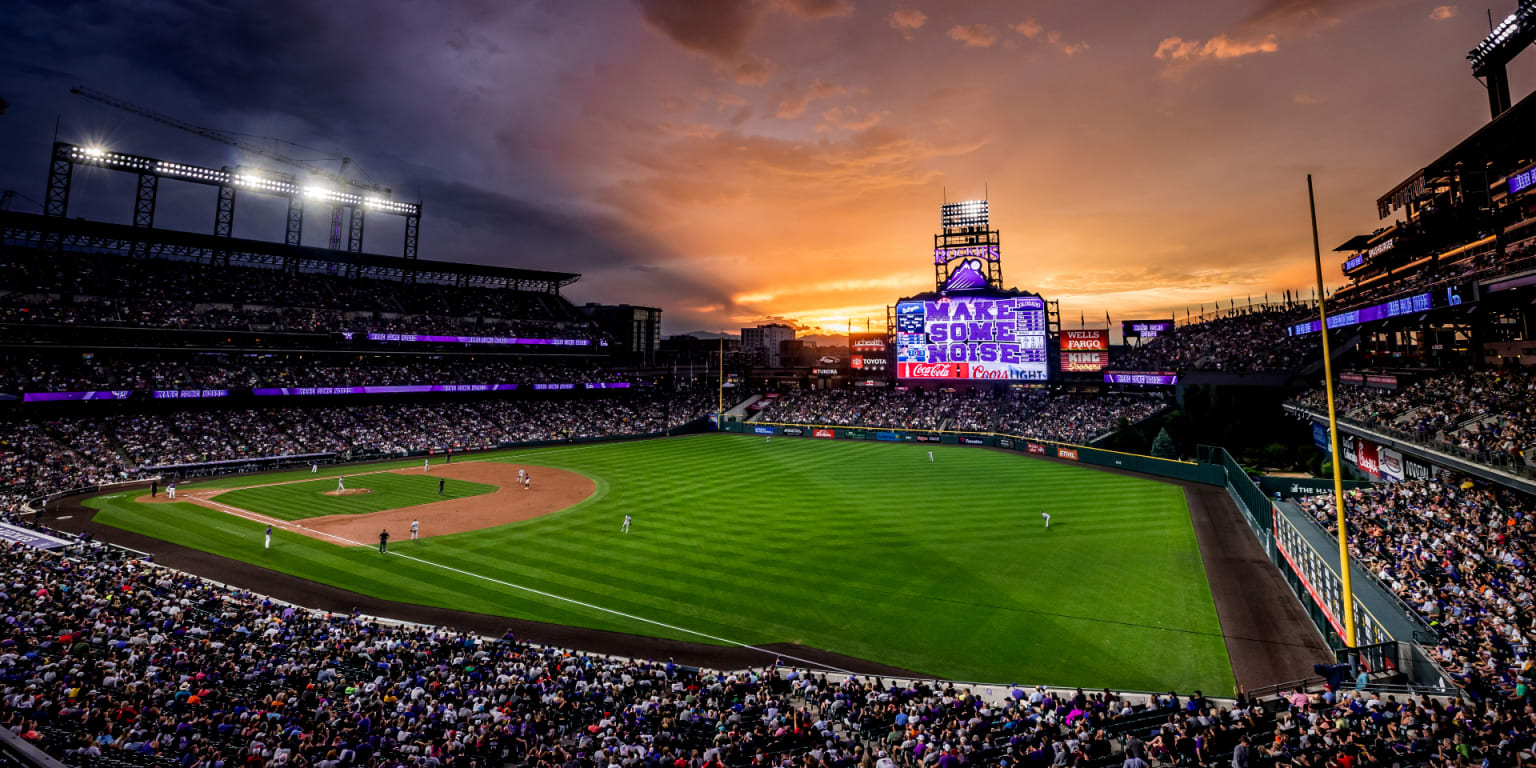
[(1101, 518)]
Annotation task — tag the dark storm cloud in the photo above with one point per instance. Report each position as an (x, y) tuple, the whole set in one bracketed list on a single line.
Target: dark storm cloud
[(715, 27)]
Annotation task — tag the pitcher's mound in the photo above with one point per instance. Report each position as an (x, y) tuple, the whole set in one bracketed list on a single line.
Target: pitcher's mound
[(348, 492)]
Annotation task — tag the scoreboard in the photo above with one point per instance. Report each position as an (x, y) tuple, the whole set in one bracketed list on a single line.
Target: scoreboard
[(972, 338)]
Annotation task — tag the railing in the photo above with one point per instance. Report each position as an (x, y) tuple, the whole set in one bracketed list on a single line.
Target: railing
[(1496, 459)]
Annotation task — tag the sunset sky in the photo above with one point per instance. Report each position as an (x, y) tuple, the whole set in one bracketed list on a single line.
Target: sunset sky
[(733, 161)]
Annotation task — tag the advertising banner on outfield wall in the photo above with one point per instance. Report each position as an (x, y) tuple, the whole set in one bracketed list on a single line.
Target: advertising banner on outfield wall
[(1005, 442), (763, 430), (1366, 459), (854, 434), (889, 437), (795, 431), (1391, 463), (1066, 453), (824, 433), (1415, 470), (1035, 448), (973, 441), (1347, 447)]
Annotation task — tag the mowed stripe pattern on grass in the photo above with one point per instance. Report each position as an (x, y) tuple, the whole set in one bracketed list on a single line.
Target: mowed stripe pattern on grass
[(387, 490), (866, 549)]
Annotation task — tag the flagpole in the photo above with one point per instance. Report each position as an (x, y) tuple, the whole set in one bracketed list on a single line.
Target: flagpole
[(1333, 434)]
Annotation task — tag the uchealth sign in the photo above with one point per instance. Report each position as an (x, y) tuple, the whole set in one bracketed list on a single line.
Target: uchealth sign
[(825, 433), (1066, 453)]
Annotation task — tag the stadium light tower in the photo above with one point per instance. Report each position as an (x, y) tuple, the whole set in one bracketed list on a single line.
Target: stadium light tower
[(1491, 57)]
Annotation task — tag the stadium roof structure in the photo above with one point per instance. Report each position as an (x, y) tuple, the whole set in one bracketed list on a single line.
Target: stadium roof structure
[(1355, 243), (1504, 140), (30, 229)]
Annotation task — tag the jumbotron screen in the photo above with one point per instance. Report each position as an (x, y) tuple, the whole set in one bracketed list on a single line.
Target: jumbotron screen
[(972, 338)]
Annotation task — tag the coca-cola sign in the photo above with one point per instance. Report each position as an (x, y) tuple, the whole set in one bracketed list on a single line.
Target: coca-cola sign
[(931, 370)]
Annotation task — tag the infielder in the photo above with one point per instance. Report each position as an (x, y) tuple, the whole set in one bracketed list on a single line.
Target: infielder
[(170, 490), (415, 527), (521, 473), (269, 538), (341, 484), (528, 482), (626, 523), (1047, 517), (314, 467), (426, 465)]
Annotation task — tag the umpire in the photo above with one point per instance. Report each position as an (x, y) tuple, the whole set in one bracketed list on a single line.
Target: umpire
[(383, 540)]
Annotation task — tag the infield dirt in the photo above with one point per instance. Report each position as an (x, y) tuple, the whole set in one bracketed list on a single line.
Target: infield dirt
[(551, 491)]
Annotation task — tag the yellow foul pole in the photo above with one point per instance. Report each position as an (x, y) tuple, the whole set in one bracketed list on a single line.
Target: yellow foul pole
[(720, 402), (1333, 432)]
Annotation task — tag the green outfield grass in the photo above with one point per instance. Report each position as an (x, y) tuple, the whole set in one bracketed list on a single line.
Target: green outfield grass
[(297, 499), (866, 549)]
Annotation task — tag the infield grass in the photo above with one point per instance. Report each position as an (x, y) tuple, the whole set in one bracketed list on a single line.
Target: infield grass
[(865, 549), (300, 499)]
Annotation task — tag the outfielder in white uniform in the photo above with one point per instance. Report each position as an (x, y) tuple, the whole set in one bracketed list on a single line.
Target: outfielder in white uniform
[(1047, 517), (930, 455), (269, 537), (415, 526), (626, 523), (341, 484)]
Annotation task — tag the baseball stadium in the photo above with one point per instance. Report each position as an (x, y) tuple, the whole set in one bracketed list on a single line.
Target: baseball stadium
[(278, 495)]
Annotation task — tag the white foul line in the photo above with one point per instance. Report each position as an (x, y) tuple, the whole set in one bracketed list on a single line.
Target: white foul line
[(249, 516)]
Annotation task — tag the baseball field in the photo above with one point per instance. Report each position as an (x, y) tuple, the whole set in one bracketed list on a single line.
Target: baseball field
[(943, 567)]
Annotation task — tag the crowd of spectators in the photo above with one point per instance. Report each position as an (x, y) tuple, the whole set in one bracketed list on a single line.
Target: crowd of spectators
[(1459, 554), (1064, 417), (93, 289), (1483, 412), (233, 371), (126, 664), (1247, 341), (40, 456)]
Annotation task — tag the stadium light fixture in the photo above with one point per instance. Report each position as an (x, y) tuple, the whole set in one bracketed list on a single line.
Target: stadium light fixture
[(95, 152)]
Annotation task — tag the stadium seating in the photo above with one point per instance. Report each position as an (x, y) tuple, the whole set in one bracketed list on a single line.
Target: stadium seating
[(84, 289), (1253, 341), (49, 455), (1070, 418), (1488, 416)]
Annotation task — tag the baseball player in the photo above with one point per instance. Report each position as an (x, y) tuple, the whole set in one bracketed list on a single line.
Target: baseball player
[(341, 485), (528, 482), (626, 523), (415, 529), (426, 465), (930, 457), (154, 488), (383, 540), (170, 490), (521, 473), (768, 439), (1047, 517), (314, 467), (269, 538)]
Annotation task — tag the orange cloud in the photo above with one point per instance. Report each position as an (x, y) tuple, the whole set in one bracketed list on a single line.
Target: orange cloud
[(974, 35), (793, 105), (1444, 12), (753, 70), (1177, 49), (1028, 28), (849, 119), (907, 21)]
